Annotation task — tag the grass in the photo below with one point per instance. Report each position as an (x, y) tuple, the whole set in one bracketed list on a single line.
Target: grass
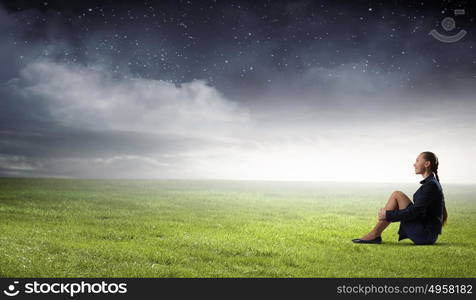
[(174, 228)]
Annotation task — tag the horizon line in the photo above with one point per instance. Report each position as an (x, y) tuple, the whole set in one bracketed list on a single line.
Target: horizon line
[(224, 179)]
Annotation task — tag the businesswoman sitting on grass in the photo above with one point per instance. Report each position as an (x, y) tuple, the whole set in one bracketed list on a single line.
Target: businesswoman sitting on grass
[(420, 221)]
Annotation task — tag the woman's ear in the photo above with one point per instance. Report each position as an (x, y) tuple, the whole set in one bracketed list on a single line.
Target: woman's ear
[(427, 164)]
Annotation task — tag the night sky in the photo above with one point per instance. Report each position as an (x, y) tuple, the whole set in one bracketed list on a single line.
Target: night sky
[(280, 90)]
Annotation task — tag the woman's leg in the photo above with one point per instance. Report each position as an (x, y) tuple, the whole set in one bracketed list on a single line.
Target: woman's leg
[(397, 200)]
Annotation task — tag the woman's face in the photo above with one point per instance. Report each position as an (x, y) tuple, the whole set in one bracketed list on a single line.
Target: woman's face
[(421, 164)]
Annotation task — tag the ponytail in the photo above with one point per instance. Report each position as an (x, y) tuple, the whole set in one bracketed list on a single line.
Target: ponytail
[(445, 213)]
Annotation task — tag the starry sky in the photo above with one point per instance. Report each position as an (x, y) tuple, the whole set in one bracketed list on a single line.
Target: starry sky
[(254, 90)]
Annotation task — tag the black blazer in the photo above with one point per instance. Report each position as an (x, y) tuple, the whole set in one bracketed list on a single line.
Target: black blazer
[(427, 207)]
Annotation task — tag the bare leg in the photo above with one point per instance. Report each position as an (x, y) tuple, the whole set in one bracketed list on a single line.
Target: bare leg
[(397, 200)]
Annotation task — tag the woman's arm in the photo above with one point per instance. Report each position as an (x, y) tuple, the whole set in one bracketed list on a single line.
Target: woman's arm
[(422, 201)]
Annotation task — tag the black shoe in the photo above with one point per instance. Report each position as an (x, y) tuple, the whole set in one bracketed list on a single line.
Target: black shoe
[(376, 240)]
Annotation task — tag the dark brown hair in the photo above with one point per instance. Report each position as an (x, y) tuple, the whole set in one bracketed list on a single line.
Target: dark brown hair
[(433, 159)]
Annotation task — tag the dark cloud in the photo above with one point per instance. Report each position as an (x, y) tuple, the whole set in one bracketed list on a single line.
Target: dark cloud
[(44, 140)]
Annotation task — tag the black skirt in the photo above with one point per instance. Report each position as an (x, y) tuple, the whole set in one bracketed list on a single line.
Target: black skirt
[(418, 231)]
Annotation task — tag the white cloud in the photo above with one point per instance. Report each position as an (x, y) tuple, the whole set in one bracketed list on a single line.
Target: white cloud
[(90, 97)]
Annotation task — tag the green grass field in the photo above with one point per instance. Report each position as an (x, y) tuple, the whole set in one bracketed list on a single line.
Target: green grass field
[(173, 228)]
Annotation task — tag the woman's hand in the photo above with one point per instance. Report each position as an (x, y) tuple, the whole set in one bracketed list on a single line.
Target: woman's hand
[(382, 214)]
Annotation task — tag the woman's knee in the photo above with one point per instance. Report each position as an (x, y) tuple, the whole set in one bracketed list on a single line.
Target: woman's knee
[(400, 195), (397, 193), (401, 199)]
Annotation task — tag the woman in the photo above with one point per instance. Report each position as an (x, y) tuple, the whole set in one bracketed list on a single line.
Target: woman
[(420, 221)]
